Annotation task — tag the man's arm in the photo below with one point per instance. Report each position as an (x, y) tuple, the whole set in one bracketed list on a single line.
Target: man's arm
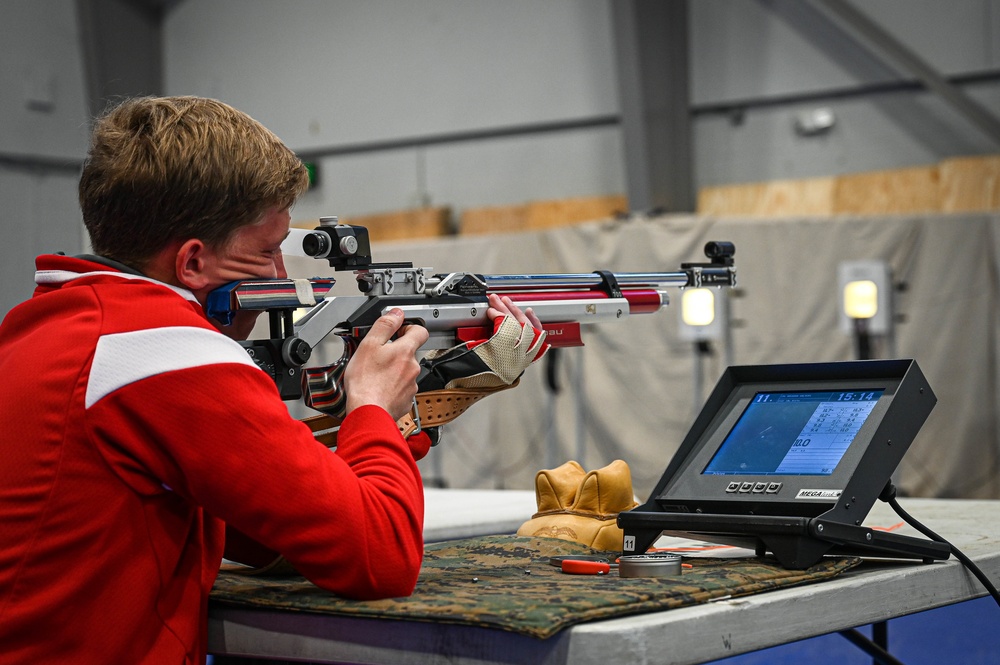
[(219, 436)]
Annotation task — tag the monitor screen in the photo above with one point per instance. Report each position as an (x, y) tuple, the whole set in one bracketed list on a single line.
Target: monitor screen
[(793, 433)]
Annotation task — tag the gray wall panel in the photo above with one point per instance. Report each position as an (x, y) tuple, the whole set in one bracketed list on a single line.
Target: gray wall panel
[(741, 50), (42, 106), (40, 215), (43, 138), (322, 72)]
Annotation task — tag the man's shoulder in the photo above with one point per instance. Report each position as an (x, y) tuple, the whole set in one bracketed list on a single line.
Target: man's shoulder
[(131, 297)]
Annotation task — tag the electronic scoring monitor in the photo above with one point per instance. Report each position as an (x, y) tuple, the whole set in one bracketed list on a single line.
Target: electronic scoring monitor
[(797, 433), (779, 450)]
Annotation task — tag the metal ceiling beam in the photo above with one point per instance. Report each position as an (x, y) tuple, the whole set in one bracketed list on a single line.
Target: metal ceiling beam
[(879, 39), (651, 48), (850, 37)]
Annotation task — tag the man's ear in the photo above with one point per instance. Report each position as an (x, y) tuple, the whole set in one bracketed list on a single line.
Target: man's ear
[(191, 263)]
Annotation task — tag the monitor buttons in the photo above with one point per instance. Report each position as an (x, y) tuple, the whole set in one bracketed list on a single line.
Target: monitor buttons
[(748, 487)]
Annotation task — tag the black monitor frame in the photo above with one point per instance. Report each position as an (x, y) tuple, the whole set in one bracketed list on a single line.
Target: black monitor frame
[(809, 515)]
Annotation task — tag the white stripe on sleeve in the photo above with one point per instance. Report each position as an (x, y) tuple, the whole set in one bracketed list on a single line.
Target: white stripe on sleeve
[(124, 358)]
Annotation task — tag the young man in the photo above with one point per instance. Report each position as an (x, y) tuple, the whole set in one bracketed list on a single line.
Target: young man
[(135, 428)]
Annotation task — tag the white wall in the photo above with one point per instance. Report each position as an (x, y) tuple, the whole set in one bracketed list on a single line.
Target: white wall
[(43, 127), (335, 73), (40, 56)]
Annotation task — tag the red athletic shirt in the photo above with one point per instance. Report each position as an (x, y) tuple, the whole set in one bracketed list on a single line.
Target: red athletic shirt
[(130, 431)]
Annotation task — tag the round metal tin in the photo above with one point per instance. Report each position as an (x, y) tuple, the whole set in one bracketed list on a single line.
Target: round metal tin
[(660, 564)]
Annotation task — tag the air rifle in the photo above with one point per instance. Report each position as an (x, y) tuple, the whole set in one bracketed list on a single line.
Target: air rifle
[(451, 306)]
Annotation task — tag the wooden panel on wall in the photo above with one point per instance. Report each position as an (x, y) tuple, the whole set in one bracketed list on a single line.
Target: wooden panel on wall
[(494, 219), (911, 190), (538, 215), (400, 225), (769, 199), (970, 184), (963, 184)]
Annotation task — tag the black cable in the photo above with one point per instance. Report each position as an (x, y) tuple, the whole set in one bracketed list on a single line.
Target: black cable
[(889, 496)]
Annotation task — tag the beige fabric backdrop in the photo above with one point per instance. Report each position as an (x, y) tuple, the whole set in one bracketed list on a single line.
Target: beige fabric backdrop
[(629, 393)]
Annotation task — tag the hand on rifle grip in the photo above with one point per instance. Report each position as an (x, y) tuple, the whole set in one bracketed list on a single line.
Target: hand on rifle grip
[(383, 371)]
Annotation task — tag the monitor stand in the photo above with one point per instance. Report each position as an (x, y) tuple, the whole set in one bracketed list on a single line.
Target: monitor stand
[(796, 542)]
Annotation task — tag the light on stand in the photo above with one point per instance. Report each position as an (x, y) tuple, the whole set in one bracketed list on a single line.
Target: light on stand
[(698, 307), (861, 299), (704, 316), (866, 304)]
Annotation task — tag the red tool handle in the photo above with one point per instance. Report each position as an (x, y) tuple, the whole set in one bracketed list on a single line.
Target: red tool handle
[(578, 567)]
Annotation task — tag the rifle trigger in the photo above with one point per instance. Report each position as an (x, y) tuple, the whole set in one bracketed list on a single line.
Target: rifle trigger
[(416, 417)]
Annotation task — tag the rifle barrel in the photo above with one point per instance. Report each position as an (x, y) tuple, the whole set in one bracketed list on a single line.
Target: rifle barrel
[(592, 281)]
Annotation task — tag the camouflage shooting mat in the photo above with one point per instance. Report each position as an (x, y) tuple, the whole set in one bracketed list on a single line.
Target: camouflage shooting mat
[(506, 583)]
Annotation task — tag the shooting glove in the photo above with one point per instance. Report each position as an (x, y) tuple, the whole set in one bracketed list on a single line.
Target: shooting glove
[(454, 379), (493, 363)]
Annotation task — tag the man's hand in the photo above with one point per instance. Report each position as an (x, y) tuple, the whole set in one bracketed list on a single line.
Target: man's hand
[(518, 340), (383, 370), (504, 306)]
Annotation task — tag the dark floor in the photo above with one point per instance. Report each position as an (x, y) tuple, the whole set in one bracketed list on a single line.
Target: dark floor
[(964, 634)]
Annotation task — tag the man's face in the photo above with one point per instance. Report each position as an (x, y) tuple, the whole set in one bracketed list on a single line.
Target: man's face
[(254, 251)]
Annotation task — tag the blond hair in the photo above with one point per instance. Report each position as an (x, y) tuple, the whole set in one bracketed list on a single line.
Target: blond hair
[(162, 169)]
